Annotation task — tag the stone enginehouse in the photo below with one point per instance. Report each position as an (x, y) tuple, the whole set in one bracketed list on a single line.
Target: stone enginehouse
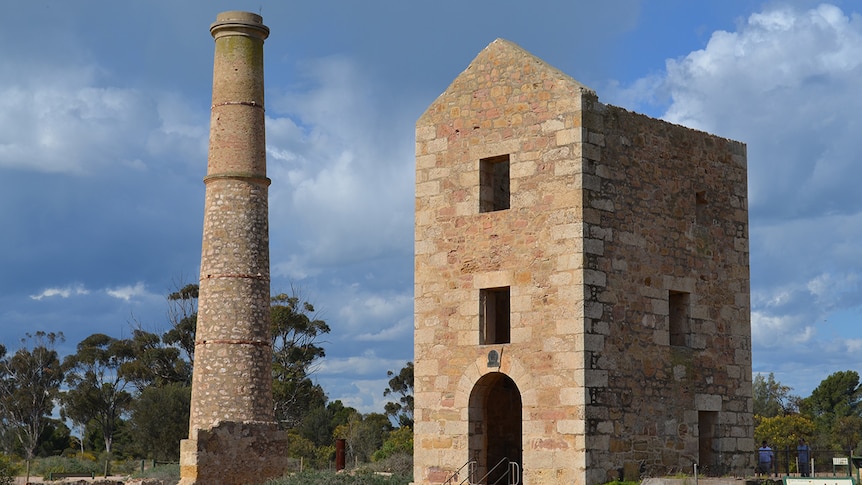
[(581, 286)]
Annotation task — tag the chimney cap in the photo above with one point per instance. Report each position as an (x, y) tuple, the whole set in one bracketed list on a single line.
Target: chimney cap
[(237, 22)]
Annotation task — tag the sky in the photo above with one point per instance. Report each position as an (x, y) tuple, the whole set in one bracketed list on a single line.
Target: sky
[(104, 114)]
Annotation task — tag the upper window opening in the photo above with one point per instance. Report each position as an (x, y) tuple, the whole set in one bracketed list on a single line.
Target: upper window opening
[(701, 205), (494, 183), (494, 320), (678, 306)]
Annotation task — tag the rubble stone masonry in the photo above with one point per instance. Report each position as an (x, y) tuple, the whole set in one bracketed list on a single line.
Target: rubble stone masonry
[(233, 436), (620, 251)]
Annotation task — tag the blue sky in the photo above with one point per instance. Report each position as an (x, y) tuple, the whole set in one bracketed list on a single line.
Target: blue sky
[(104, 112)]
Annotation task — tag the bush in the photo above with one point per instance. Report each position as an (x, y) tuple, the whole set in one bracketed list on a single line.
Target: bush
[(166, 473), (7, 471), (398, 441), (58, 464), (398, 464), (331, 478)]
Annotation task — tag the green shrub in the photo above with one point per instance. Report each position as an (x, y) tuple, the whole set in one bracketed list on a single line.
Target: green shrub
[(7, 471), (398, 441), (167, 473), (397, 463), (312, 477), (43, 467)]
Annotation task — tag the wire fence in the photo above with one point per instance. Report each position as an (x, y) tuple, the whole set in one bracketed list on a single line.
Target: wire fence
[(820, 463)]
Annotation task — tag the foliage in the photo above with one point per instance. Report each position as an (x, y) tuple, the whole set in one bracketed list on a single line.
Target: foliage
[(771, 398), (838, 396), (58, 464), (55, 439), (29, 383), (398, 463), (363, 434), (398, 441), (784, 431), (310, 455), (402, 385), (319, 425), (97, 383), (299, 447), (169, 472), (183, 316), (846, 432), (295, 329), (154, 363), (159, 420), (7, 471), (331, 478)]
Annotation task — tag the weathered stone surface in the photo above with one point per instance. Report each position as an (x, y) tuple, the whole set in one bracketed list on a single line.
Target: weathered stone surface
[(611, 216), (233, 437)]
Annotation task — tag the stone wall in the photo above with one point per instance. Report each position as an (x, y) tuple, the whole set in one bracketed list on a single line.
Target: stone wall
[(666, 213), (533, 247)]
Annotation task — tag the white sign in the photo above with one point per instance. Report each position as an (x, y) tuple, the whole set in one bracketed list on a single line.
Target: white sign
[(818, 481)]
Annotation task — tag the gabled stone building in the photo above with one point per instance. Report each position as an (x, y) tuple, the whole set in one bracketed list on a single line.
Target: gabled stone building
[(582, 286)]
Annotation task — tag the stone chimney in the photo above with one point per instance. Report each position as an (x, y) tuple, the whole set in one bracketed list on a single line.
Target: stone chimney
[(233, 435)]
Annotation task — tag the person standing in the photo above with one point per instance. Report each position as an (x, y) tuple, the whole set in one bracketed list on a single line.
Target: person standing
[(764, 459), (803, 456)]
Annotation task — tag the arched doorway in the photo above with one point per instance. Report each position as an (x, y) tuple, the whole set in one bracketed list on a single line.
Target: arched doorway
[(496, 428)]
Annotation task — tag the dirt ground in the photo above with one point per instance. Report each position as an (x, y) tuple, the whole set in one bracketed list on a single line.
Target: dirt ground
[(111, 480)]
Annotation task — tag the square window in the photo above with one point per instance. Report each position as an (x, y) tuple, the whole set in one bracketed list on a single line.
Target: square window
[(494, 183), (494, 319)]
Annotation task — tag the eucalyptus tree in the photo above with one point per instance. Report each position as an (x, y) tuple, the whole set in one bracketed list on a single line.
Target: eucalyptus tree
[(29, 385), (401, 384), (183, 317), (98, 377), (295, 330), (772, 398)]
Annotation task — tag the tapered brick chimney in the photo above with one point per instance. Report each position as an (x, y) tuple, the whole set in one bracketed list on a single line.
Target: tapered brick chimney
[(233, 435)]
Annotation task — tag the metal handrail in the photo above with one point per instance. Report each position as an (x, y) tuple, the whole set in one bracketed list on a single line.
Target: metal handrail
[(515, 470), (448, 481), (504, 460)]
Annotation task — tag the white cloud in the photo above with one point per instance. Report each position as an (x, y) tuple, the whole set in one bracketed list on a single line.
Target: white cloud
[(358, 381), (364, 306), (366, 364), (785, 83), (62, 119), (64, 292), (340, 193), (128, 292), (364, 395), (828, 288)]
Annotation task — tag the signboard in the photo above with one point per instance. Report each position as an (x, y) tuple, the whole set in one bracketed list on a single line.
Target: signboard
[(818, 480)]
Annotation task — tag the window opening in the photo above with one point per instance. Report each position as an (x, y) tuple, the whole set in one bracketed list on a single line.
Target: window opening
[(494, 320), (494, 183), (701, 206), (678, 306)]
